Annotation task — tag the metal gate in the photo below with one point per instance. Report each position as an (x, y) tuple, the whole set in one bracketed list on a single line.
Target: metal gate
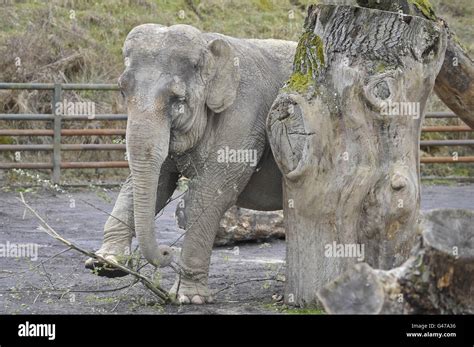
[(58, 132)]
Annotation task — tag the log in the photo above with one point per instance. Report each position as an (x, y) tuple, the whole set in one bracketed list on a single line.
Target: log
[(437, 279), (455, 82), (347, 151), (244, 225)]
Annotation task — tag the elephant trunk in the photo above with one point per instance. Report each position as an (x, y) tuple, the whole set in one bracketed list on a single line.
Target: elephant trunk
[(147, 147)]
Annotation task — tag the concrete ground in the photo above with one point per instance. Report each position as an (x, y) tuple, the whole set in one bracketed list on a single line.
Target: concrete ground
[(62, 285)]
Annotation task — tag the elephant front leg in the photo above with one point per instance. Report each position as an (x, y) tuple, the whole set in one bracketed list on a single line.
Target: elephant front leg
[(119, 228), (204, 207), (118, 234)]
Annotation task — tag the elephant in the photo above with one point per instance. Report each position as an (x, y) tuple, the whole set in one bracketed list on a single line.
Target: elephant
[(197, 105)]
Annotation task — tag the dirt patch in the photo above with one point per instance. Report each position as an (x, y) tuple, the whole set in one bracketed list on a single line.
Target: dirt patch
[(61, 285)]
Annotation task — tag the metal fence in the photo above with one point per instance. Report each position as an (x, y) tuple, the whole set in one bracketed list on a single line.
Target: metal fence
[(58, 132)]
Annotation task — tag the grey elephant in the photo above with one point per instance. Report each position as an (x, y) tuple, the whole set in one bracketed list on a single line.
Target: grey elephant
[(197, 105)]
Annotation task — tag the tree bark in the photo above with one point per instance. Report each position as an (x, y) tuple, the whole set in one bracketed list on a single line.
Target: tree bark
[(437, 279), (347, 150), (455, 82)]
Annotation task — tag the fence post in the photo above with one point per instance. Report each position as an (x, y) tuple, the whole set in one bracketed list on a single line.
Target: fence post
[(57, 96)]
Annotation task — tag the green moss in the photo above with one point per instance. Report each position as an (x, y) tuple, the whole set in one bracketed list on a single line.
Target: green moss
[(425, 7), (299, 82), (309, 59)]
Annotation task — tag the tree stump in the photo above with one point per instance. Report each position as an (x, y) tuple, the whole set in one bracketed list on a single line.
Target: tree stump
[(437, 279), (345, 133), (455, 82)]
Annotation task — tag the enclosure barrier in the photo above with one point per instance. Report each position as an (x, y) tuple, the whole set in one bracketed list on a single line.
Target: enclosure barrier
[(57, 132)]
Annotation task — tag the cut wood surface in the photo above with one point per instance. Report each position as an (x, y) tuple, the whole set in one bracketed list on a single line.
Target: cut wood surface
[(438, 278)]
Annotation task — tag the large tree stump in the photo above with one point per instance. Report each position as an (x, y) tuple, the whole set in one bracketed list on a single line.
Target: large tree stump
[(437, 279), (346, 147), (455, 82)]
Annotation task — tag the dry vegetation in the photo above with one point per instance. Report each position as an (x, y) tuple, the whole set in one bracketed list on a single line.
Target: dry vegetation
[(80, 41)]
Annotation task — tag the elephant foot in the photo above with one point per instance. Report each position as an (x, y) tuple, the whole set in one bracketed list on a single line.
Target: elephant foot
[(102, 269), (186, 291), (105, 270)]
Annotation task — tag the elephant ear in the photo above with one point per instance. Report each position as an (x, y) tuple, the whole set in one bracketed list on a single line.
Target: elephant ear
[(222, 87)]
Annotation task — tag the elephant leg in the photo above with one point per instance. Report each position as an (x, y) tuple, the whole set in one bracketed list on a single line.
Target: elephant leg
[(118, 234), (205, 203), (119, 228)]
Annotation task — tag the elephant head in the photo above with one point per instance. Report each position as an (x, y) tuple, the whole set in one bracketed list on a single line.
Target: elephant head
[(174, 78)]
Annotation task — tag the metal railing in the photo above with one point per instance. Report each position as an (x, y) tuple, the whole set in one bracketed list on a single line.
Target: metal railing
[(58, 132)]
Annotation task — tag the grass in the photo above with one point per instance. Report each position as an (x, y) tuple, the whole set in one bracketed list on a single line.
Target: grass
[(292, 310)]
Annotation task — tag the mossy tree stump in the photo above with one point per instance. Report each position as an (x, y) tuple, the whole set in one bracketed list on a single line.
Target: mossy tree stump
[(348, 152), (438, 278), (455, 82)]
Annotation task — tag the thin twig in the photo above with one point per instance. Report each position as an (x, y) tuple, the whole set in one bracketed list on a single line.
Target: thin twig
[(194, 8), (67, 290), (37, 266), (48, 276), (120, 300), (107, 213), (158, 291)]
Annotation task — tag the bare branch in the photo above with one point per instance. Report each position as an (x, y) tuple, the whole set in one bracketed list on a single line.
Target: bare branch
[(158, 291)]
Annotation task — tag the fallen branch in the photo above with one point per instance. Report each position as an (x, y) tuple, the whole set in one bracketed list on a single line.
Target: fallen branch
[(158, 291), (68, 290)]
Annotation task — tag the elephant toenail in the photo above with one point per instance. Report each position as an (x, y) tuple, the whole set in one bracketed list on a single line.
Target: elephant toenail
[(197, 300), (183, 299)]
